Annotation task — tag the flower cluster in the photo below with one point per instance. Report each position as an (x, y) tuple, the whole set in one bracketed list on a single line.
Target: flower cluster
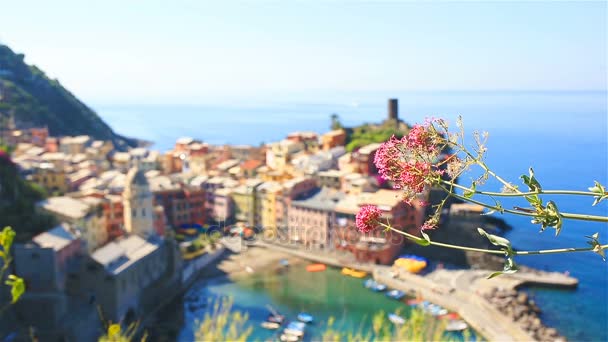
[(367, 218), (420, 138), (409, 162)]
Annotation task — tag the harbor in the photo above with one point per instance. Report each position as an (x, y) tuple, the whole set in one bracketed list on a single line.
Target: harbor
[(324, 285), (466, 292)]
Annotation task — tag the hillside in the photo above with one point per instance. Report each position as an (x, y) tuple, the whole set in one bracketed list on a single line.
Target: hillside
[(32, 98), (18, 202)]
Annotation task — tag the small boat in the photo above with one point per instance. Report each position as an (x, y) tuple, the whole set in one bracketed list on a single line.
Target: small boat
[(274, 316), (379, 288), (353, 273), (276, 319), (289, 338), (249, 269), (395, 294), (369, 283), (456, 325), (316, 267), (396, 319), (433, 309), (284, 262), (305, 317), (295, 329), (451, 316), (270, 325), (413, 302)]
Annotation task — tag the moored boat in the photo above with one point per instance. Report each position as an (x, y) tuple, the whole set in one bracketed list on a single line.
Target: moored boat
[(305, 317), (295, 329), (270, 325), (316, 267), (289, 338), (396, 319), (369, 283), (353, 273), (395, 294), (456, 325), (378, 287)]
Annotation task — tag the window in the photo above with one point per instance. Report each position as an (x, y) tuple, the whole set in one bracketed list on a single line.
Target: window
[(143, 212)]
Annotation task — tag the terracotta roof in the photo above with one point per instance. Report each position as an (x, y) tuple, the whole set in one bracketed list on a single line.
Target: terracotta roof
[(251, 164)]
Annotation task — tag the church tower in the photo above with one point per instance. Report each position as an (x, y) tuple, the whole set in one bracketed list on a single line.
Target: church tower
[(137, 202)]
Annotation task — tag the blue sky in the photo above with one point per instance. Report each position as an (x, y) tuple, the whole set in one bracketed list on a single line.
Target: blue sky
[(190, 52)]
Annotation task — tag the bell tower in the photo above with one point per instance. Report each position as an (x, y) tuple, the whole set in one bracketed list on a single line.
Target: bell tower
[(137, 202)]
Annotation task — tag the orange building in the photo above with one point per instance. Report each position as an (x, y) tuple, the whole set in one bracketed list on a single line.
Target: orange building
[(333, 139)]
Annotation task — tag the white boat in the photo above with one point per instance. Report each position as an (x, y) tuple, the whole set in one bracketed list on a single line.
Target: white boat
[(295, 329), (289, 338), (456, 325), (270, 325), (396, 319)]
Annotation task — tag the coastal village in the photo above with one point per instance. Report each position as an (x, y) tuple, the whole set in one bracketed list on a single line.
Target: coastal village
[(137, 225)]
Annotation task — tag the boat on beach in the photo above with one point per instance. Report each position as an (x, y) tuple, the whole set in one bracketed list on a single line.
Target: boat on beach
[(353, 273), (316, 267)]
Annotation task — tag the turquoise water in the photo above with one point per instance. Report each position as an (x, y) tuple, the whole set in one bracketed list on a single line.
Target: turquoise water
[(322, 294), (562, 134)]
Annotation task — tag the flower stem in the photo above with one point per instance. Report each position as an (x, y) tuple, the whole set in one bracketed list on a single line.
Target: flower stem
[(491, 251), (521, 194), (582, 217)]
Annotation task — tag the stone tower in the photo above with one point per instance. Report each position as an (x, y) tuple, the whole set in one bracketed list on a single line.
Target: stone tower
[(393, 110), (137, 202)]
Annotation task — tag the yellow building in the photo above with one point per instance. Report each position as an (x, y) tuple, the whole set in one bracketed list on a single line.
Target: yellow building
[(51, 178), (268, 194), (244, 198)]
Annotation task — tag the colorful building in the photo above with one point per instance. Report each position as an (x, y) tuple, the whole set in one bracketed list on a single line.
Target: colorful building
[(244, 197), (311, 219), (51, 178), (364, 159), (333, 139)]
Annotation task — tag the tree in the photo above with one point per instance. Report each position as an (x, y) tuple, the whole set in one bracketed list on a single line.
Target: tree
[(335, 122)]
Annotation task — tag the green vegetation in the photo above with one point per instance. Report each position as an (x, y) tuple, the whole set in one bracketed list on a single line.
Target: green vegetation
[(18, 203), (418, 327), (28, 95), (115, 333), (15, 283), (369, 134), (223, 324)]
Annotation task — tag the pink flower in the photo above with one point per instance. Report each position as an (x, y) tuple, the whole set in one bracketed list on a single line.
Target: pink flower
[(388, 157), (420, 138), (367, 218), (428, 225)]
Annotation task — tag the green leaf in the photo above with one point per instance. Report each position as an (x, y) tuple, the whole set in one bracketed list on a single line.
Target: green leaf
[(597, 246), (6, 238), (17, 287), (600, 190), (531, 181), (497, 240), (509, 268), (469, 193), (556, 217), (425, 236), (420, 241)]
